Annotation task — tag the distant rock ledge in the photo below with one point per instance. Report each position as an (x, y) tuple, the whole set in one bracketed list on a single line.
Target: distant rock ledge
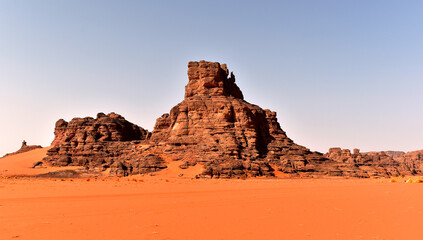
[(24, 148)]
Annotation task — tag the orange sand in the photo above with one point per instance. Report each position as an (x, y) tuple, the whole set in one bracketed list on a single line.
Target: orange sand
[(21, 164), (209, 209), (181, 208)]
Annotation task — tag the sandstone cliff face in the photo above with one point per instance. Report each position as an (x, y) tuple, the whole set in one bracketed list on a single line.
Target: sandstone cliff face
[(104, 128), (109, 141), (215, 127), (374, 164), (211, 79), (413, 160)]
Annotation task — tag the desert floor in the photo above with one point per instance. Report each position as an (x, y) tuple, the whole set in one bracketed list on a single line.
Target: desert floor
[(169, 207), (209, 209)]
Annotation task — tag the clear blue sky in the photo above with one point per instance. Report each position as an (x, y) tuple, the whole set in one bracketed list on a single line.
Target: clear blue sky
[(338, 73)]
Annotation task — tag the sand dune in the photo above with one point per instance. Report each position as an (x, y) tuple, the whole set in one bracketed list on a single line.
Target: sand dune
[(21, 164)]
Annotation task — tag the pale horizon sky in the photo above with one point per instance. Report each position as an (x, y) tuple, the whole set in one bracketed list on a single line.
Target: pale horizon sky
[(338, 73)]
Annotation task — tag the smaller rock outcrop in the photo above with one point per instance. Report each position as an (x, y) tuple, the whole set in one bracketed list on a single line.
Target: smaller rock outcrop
[(108, 141), (105, 128), (374, 164), (413, 160), (24, 148)]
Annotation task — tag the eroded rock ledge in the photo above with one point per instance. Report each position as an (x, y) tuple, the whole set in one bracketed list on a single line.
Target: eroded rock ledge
[(106, 142)]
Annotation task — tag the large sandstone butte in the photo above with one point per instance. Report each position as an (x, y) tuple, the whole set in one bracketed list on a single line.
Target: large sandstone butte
[(216, 127), (213, 126)]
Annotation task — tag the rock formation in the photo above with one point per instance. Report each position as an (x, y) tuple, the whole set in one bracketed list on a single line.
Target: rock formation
[(24, 148), (412, 160), (105, 128), (376, 164), (109, 141), (215, 127)]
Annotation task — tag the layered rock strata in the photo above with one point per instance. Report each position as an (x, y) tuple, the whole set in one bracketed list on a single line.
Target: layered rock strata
[(413, 160), (377, 164), (216, 127), (108, 141)]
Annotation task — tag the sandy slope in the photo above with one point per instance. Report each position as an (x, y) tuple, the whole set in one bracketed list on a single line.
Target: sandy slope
[(209, 209), (20, 164), (174, 171)]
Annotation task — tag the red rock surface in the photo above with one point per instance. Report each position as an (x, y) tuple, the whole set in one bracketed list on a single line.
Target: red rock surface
[(109, 141), (216, 127), (413, 160), (376, 164), (105, 128)]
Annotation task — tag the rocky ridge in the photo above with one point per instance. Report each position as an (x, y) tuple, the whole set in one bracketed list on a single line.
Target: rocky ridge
[(24, 148), (376, 164), (213, 126), (106, 142)]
